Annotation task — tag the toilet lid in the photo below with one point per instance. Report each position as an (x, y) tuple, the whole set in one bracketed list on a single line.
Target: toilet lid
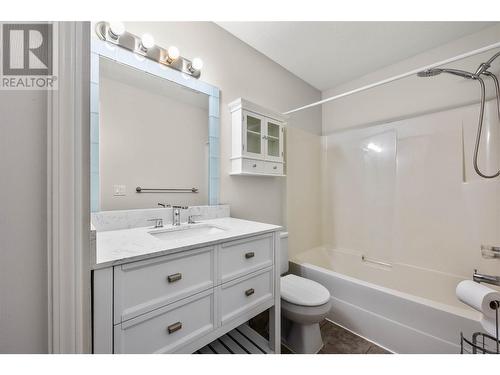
[(303, 292)]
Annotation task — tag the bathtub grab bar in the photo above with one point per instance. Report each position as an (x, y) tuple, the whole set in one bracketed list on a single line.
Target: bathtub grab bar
[(368, 260)]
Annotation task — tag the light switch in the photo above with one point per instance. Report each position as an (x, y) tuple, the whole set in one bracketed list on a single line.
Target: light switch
[(119, 190)]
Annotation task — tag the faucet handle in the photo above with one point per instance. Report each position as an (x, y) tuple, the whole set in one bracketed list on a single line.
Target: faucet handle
[(158, 222), (191, 220), (164, 205)]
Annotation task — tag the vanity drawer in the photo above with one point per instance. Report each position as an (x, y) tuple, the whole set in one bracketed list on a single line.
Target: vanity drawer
[(242, 295), (168, 328), (253, 166), (273, 168), (244, 256), (142, 286)]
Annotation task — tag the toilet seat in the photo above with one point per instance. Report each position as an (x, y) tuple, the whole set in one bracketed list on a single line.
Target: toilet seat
[(303, 292)]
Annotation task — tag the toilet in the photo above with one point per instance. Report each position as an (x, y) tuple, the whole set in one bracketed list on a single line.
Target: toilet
[(304, 303)]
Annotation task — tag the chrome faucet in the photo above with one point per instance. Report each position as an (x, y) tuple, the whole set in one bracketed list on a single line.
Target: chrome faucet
[(176, 214), (481, 278)]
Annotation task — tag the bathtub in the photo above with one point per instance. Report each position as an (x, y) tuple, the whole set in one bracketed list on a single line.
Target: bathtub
[(402, 308)]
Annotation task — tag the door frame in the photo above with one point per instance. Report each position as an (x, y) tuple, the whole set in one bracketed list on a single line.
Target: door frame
[(68, 194)]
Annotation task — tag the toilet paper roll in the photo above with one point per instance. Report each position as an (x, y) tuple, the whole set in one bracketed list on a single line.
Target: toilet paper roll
[(478, 296)]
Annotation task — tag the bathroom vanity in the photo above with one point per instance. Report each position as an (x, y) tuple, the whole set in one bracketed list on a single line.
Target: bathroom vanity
[(176, 289)]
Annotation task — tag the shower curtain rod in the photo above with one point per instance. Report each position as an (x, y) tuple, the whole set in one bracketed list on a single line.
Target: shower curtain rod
[(397, 77)]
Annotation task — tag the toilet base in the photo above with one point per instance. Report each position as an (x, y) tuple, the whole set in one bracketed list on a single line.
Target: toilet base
[(304, 338)]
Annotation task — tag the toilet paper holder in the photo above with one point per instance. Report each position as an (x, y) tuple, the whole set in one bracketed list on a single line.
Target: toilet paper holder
[(482, 278), (482, 343)]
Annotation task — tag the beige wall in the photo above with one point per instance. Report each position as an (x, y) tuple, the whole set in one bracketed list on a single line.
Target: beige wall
[(240, 71), (413, 95), (303, 190), (143, 136)]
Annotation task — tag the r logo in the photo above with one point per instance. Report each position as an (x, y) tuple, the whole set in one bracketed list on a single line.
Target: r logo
[(27, 49)]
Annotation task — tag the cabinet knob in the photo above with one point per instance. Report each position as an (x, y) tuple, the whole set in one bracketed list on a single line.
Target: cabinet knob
[(254, 165), (249, 255), (174, 277), (174, 327), (275, 167), (249, 292)]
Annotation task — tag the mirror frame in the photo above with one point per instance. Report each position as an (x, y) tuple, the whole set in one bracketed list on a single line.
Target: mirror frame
[(120, 55)]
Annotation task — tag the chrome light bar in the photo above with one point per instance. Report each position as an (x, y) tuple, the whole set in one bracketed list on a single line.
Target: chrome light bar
[(148, 49)]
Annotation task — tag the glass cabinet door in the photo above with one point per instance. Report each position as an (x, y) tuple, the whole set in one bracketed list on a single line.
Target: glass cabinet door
[(253, 134), (273, 139)]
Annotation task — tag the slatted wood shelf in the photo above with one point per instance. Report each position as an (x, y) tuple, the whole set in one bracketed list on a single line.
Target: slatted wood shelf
[(241, 340)]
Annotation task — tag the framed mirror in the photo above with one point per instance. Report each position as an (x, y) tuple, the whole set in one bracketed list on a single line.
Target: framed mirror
[(154, 133)]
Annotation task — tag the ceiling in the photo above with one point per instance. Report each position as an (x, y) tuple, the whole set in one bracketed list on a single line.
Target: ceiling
[(326, 54)]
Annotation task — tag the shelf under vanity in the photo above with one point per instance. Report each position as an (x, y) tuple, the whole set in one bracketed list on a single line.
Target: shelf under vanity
[(241, 340)]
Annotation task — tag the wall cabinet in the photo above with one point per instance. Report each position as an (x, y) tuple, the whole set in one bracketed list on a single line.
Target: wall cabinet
[(257, 140)]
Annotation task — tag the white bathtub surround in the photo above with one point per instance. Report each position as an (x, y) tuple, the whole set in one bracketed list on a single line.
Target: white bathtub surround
[(398, 321), (125, 245), (405, 194), (126, 219)]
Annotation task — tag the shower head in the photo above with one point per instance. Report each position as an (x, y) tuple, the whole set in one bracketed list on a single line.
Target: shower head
[(435, 71)]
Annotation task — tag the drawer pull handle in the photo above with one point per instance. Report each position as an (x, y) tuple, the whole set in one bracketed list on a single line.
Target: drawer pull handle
[(175, 277), (249, 255), (249, 292), (174, 327)]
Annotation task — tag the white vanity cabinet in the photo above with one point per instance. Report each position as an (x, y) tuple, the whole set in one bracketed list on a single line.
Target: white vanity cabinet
[(180, 302), (257, 140)]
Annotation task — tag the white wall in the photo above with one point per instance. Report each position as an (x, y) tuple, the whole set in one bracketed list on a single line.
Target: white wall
[(23, 215), (240, 71), (142, 142), (413, 95)]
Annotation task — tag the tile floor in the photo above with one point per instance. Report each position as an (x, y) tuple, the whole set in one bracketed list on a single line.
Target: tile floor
[(337, 340), (340, 341)]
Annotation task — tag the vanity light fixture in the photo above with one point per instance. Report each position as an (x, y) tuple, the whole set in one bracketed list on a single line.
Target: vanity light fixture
[(116, 29), (195, 65), (172, 54), (115, 33), (147, 42)]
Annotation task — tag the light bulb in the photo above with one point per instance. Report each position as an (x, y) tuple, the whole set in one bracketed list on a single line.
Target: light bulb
[(147, 40), (173, 53), (116, 29), (197, 63)]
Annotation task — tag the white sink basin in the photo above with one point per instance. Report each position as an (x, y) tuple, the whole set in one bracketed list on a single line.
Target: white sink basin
[(186, 231)]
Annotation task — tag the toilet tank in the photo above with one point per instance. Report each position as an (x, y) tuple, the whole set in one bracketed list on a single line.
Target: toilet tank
[(283, 252)]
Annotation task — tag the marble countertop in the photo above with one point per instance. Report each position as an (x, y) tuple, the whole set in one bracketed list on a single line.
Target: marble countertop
[(129, 245)]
